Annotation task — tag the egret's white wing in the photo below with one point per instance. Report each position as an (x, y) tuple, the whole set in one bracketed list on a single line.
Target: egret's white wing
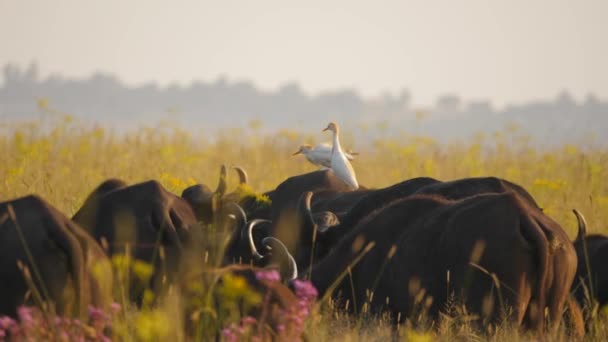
[(327, 146), (323, 148), (319, 157), (319, 160), (321, 153)]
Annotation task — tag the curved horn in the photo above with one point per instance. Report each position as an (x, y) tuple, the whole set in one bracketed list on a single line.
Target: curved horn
[(239, 210), (221, 186), (249, 237), (304, 208), (243, 178), (582, 225), (271, 243)]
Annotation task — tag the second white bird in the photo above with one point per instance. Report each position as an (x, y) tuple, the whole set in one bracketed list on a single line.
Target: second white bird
[(319, 154)]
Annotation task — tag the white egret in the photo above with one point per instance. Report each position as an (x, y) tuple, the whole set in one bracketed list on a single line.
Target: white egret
[(320, 154), (339, 162)]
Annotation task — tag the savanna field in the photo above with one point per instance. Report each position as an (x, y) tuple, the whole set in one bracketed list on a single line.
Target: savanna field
[(62, 162)]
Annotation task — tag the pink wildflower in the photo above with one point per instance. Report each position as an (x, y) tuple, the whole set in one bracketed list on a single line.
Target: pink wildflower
[(115, 307), (305, 290), (6, 323), (25, 314), (96, 314), (268, 275), (229, 335)]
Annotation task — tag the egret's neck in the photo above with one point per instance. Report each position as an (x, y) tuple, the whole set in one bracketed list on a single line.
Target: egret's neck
[(336, 147)]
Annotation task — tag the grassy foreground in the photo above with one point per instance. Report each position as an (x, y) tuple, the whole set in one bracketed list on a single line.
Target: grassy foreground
[(64, 161)]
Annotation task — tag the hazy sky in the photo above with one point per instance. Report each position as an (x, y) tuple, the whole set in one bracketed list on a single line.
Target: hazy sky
[(506, 51)]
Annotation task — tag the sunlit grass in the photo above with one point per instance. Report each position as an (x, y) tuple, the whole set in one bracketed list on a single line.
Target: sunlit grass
[(63, 161)]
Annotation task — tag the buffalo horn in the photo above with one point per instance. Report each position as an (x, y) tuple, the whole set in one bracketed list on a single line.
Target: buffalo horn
[(582, 225), (272, 243), (249, 237), (243, 178), (221, 186)]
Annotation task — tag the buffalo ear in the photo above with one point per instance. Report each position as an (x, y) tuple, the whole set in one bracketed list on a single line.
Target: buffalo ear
[(325, 220)]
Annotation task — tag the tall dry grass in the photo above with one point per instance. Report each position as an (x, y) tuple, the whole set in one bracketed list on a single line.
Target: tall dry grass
[(62, 161)]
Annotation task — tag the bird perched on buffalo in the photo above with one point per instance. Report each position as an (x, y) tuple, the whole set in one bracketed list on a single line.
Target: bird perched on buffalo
[(320, 154), (339, 162)]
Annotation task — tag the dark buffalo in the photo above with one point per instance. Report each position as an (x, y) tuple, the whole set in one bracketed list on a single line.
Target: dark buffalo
[(205, 202), (246, 235), (341, 202), (490, 251), (56, 256), (280, 218), (320, 230), (333, 227), (332, 207), (591, 275), (286, 194), (140, 220), (285, 199), (87, 214), (466, 187), (256, 205), (208, 204), (365, 201)]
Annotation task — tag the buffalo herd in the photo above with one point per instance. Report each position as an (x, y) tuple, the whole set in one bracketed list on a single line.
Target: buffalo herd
[(417, 246)]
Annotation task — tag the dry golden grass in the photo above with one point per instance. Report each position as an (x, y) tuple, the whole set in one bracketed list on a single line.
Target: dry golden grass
[(67, 161), (64, 161)]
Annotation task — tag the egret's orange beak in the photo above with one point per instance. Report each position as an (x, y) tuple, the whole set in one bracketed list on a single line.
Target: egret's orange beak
[(298, 152)]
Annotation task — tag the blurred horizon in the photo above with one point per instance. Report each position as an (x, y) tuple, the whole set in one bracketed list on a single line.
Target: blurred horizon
[(33, 69), (504, 52), (103, 98), (444, 69)]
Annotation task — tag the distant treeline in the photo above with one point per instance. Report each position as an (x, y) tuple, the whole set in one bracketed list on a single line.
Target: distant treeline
[(104, 99)]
